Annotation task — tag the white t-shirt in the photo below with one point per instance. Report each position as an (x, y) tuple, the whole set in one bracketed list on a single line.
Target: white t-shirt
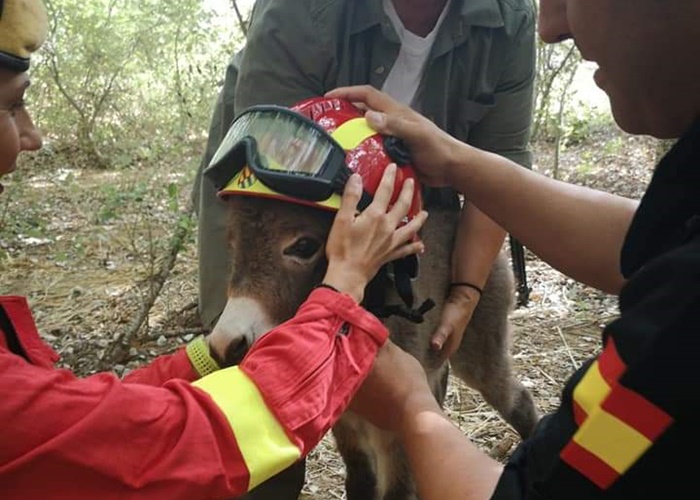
[(405, 76)]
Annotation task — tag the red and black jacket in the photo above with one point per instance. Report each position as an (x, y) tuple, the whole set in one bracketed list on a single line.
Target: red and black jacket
[(627, 424)]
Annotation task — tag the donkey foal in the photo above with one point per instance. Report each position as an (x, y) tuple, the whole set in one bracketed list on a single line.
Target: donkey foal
[(278, 255)]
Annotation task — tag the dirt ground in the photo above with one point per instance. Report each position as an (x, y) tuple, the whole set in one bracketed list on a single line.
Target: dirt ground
[(85, 246)]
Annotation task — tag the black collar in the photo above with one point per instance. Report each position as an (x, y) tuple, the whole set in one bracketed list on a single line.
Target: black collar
[(670, 208)]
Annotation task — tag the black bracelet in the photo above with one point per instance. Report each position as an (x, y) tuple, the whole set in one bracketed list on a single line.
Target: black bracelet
[(330, 287), (468, 285)]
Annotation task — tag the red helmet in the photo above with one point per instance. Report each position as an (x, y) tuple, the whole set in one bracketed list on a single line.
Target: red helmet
[(366, 152)]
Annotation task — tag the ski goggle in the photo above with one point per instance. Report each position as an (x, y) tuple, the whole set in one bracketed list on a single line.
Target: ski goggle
[(286, 151)]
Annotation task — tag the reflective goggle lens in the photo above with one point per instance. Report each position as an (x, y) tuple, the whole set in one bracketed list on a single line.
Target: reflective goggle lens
[(284, 142)]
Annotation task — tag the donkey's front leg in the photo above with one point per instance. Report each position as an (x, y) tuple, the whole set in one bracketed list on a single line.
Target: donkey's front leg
[(360, 478), (394, 475)]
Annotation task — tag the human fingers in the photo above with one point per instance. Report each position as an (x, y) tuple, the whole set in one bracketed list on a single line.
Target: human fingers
[(403, 202), (415, 247), (440, 335), (368, 96), (350, 198), (453, 322), (382, 196), (411, 228), (384, 114)]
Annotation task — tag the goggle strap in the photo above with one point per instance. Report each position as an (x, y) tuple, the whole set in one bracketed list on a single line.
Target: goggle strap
[(341, 179), (365, 200)]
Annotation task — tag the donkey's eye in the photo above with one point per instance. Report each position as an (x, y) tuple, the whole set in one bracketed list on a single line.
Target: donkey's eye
[(304, 248)]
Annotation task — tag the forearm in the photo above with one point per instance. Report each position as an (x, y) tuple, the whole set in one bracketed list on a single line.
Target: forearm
[(164, 368), (444, 463), (181, 440), (577, 230), (99, 437), (477, 243)]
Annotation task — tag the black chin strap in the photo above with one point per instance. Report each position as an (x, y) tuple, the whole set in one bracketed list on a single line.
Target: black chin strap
[(375, 297)]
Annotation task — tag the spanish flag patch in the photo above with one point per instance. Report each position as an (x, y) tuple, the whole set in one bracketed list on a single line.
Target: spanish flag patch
[(617, 426)]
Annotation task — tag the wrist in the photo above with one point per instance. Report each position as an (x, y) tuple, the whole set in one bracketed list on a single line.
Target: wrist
[(468, 291), (346, 281), (460, 157)]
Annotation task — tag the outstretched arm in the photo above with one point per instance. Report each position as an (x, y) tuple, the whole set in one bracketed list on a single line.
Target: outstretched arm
[(579, 231), (445, 464)]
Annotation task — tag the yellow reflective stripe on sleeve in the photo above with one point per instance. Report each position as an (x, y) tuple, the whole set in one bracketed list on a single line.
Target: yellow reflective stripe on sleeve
[(264, 445), (352, 133)]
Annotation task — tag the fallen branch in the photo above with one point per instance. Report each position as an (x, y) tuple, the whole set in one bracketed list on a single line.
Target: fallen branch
[(118, 352), (169, 334)]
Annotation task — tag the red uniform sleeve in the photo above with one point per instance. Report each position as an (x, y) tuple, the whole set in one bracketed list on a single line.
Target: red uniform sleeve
[(164, 368), (98, 437)]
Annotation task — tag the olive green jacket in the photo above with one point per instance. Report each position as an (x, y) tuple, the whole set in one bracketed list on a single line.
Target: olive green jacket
[(477, 85)]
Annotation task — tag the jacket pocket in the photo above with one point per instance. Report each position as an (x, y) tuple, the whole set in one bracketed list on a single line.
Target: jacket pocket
[(469, 113)]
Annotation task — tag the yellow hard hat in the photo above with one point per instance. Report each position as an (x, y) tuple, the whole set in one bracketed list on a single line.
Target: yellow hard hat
[(23, 28)]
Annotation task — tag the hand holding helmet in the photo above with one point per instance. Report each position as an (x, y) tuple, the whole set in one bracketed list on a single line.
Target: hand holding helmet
[(358, 245), (305, 154), (432, 150)]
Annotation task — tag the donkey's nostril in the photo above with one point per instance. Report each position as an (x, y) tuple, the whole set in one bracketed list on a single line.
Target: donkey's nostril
[(235, 351)]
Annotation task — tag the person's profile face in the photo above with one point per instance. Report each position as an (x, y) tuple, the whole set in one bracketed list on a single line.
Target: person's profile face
[(643, 49), (17, 131)]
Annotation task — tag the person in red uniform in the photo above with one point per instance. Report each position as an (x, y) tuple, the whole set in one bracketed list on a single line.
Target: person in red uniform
[(181, 428), (627, 425)]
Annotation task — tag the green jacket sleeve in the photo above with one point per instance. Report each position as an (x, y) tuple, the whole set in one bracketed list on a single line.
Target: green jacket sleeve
[(506, 128)]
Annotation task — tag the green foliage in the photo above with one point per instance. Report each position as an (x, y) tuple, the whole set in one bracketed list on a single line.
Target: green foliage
[(582, 122), (116, 197), (556, 67), (587, 164), (128, 81)]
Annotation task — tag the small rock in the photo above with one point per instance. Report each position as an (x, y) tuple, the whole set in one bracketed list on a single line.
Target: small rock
[(161, 341), (188, 337)]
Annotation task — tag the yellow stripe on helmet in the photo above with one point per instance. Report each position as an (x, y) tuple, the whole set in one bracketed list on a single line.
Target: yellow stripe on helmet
[(352, 133), (246, 183)]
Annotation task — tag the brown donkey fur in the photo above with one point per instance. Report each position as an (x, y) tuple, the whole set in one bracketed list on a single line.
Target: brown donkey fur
[(278, 255)]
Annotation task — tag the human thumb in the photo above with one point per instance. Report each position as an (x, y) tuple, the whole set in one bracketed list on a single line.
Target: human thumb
[(378, 121), (439, 337)]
